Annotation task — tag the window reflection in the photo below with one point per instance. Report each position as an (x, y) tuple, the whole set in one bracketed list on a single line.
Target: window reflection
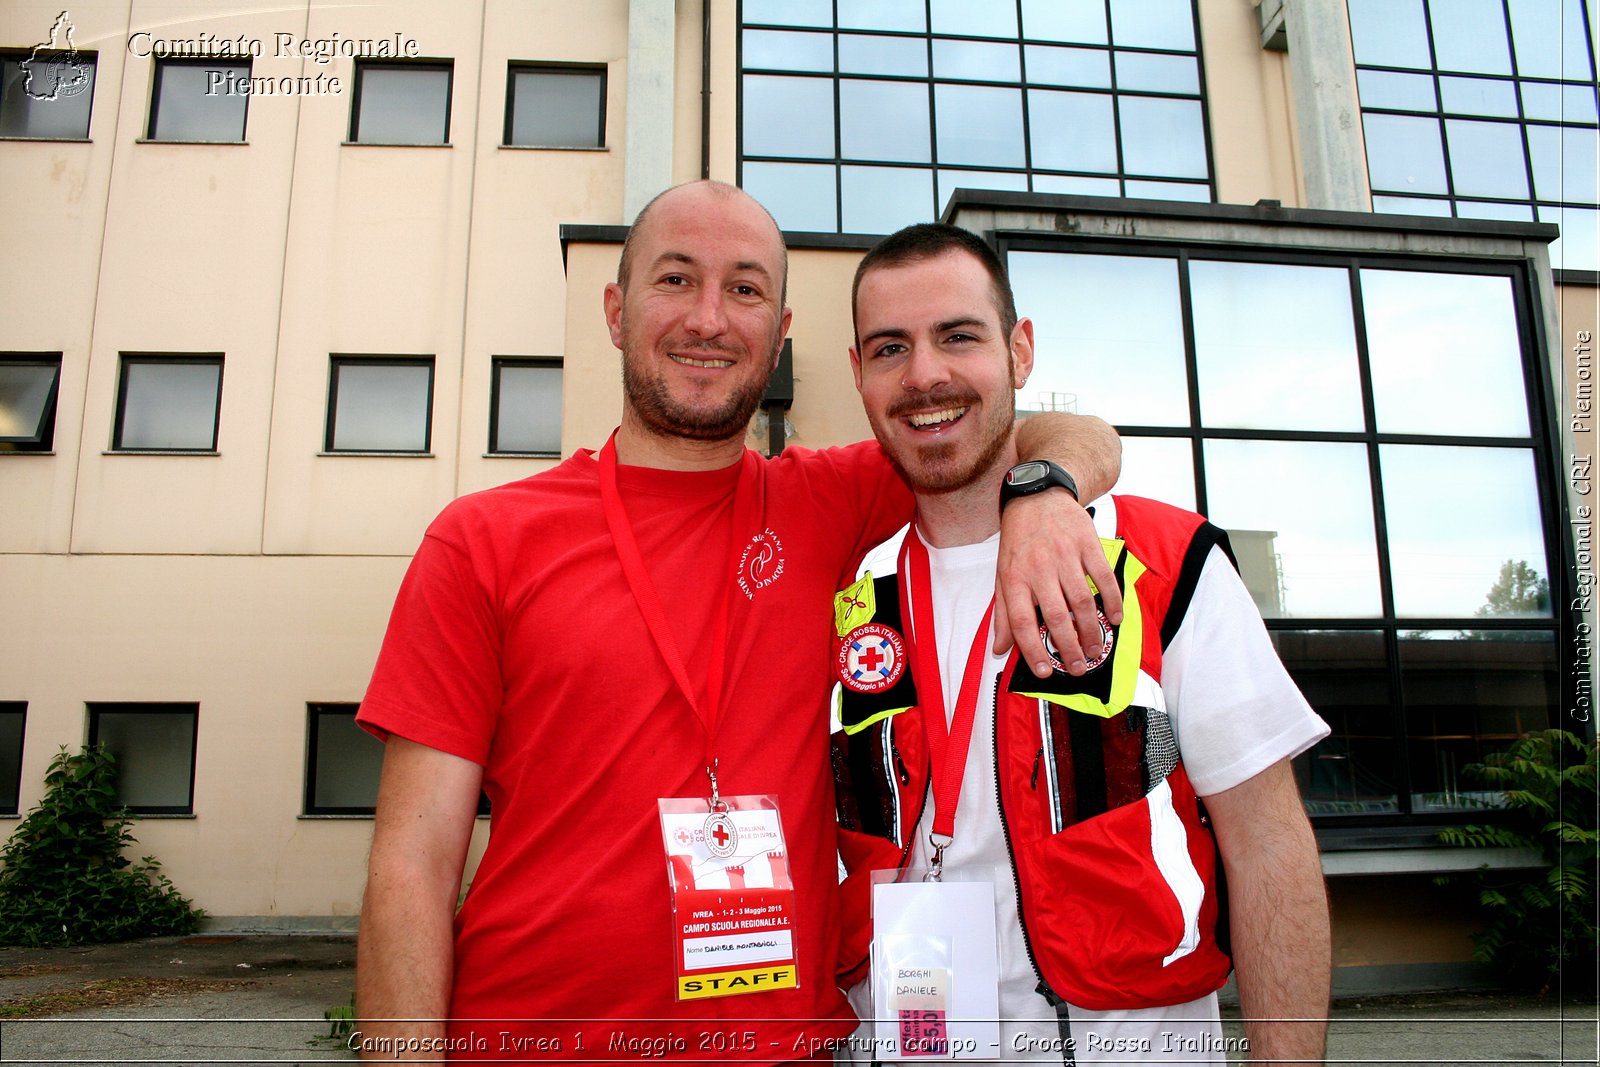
[(788, 116), (788, 51), (880, 15), (984, 61), (883, 199), (1276, 346), (1190, 191), (1470, 35), (1469, 693), (951, 180), (1066, 183), (1075, 21), (1156, 73), (1445, 353), (1066, 45), (1404, 154), (1578, 247), (1549, 38), (974, 18), (1566, 163), (1161, 468), (790, 12), (1403, 92), (883, 120), (1344, 675), (1072, 131), (1299, 514), (1107, 330), (1084, 68), (906, 56), (1389, 33), (1486, 158), (801, 196), (1152, 24), (979, 125), (1477, 96), (1570, 103), (1492, 566), (1162, 137)]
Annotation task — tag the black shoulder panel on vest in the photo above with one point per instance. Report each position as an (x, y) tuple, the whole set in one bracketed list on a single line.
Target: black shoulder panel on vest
[(1206, 536), (856, 707)]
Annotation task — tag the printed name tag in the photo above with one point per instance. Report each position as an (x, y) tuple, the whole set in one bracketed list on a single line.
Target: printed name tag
[(733, 907)]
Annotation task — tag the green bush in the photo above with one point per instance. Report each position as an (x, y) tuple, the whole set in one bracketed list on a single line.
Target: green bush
[(63, 877), (1539, 924)]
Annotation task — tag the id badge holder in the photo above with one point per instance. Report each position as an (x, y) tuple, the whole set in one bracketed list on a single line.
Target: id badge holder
[(733, 906), (935, 965)]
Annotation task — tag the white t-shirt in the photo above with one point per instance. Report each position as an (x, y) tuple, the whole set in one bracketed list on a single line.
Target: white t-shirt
[(1235, 712)]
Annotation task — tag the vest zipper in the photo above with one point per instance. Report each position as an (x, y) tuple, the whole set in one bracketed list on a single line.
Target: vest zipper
[(1005, 828), (894, 791)]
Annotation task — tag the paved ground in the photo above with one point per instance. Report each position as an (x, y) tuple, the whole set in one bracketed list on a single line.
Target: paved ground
[(227, 999)]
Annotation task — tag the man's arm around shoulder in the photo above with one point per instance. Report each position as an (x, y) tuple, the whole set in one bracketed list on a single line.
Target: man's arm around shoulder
[(427, 801), (1278, 909)]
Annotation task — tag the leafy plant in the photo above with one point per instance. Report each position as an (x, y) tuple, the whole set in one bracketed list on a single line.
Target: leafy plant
[(341, 1019), (1540, 924), (63, 877)]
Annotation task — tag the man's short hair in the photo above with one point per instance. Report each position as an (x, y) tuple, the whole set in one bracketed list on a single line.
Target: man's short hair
[(924, 241), (723, 189)]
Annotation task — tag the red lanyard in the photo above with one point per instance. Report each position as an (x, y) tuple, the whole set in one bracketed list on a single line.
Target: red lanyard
[(947, 744), (707, 703)]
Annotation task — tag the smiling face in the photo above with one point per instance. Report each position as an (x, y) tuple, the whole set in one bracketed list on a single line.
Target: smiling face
[(700, 317), (936, 373)]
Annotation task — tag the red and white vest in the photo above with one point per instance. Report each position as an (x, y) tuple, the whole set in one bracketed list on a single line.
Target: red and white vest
[(1117, 870)]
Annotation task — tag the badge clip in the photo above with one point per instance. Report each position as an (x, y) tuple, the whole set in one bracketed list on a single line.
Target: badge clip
[(722, 836), (936, 866)]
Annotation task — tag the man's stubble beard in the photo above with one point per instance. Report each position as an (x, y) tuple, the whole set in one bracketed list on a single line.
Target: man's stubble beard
[(934, 471), (665, 415)]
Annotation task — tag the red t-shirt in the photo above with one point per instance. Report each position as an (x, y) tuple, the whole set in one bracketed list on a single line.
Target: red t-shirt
[(516, 643)]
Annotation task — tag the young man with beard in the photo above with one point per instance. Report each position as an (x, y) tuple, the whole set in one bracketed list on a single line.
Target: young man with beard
[(1101, 801), (638, 626)]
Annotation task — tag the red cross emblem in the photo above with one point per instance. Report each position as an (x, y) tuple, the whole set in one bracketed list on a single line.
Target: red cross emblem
[(1108, 637), (871, 658), (722, 837)]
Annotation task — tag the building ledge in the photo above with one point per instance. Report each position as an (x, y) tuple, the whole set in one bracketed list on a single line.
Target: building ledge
[(1426, 860)]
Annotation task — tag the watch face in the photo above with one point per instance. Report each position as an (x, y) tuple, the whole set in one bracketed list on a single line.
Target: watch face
[(1026, 472)]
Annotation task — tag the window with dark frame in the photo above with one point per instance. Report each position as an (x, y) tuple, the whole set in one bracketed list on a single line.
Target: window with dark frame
[(154, 744), (551, 106), (13, 722), (525, 406), (379, 404), (199, 100), (343, 762), (865, 121), (30, 383), (1425, 644), (1484, 109), (401, 103), (168, 403), (47, 95)]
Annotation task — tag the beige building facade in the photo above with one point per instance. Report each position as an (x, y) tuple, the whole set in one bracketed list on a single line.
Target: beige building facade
[(251, 343)]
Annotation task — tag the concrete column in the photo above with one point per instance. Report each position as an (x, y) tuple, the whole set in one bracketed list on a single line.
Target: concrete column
[(1327, 111), (647, 166)]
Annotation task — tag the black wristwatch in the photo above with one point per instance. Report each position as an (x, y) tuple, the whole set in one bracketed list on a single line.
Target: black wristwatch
[(1034, 476)]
